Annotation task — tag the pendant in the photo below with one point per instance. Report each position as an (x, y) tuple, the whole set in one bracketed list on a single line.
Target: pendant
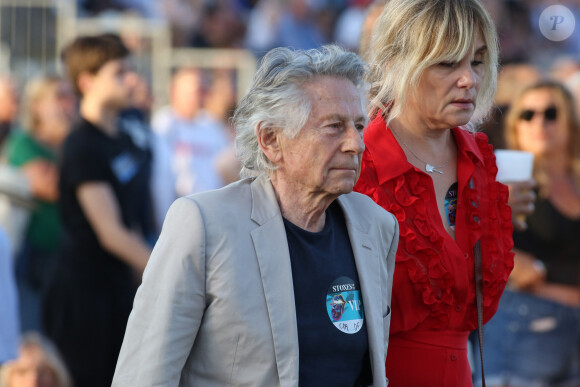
[(430, 168)]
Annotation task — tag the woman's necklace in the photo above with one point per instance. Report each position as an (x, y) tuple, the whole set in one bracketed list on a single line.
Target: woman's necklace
[(429, 168)]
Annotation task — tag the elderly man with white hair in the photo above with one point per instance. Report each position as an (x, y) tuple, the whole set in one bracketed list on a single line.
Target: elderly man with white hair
[(283, 278)]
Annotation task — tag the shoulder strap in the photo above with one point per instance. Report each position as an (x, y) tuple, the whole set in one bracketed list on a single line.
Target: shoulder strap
[(479, 302)]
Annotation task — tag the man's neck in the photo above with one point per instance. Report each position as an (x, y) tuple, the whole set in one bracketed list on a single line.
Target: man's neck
[(100, 115), (306, 210)]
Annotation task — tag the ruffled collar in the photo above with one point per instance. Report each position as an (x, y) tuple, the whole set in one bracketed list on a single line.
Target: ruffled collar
[(394, 162)]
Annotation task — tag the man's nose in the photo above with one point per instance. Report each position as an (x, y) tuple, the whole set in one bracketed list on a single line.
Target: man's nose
[(354, 141)]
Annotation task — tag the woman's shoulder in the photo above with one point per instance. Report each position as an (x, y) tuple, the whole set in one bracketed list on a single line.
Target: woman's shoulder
[(476, 144), (19, 138), (471, 138), (21, 147)]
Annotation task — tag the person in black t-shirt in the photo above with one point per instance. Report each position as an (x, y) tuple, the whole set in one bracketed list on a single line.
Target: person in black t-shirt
[(283, 278), (104, 182)]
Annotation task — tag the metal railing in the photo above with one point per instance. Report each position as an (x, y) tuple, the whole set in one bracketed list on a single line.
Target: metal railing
[(34, 32)]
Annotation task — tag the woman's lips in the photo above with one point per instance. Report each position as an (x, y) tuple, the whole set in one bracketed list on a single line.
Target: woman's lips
[(463, 103)]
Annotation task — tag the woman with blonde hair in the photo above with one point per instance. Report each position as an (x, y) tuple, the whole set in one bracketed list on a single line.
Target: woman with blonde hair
[(534, 339), (433, 76), (48, 110)]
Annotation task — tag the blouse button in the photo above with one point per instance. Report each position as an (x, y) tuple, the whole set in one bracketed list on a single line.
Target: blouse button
[(453, 357), (458, 308), (465, 255)]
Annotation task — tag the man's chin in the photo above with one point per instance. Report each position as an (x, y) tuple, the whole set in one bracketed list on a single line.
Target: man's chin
[(345, 187)]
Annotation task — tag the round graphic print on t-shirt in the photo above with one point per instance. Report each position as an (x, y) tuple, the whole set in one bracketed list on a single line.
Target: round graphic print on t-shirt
[(344, 305)]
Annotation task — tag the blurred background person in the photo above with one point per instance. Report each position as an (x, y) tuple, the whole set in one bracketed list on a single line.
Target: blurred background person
[(219, 26), (9, 324), (48, 111), (276, 23), (142, 99), (38, 365), (9, 107), (349, 24), (514, 28), (104, 185), (511, 79), (563, 68), (534, 339), (373, 12), (134, 121), (220, 102), (187, 141)]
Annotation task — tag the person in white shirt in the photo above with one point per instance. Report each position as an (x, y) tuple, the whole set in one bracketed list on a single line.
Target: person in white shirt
[(187, 143)]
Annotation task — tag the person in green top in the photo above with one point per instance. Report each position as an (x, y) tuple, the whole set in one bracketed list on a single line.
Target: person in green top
[(49, 109)]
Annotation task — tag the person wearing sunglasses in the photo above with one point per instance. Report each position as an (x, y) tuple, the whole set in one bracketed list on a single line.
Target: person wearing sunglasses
[(534, 338)]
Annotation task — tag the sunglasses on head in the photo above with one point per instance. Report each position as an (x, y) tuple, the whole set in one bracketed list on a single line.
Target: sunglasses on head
[(550, 114)]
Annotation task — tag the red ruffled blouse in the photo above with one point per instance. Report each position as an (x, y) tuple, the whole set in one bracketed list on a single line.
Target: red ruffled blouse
[(433, 285)]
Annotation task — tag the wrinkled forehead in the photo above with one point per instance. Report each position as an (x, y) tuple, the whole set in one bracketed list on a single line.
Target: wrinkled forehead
[(326, 90)]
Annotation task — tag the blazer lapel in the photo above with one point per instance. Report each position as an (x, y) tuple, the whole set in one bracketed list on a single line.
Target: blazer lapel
[(368, 267), (273, 256)]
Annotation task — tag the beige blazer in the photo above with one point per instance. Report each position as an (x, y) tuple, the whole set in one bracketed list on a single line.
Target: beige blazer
[(216, 306)]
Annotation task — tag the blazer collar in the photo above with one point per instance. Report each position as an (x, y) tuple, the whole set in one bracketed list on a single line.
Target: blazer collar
[(271, 248), (368, 266), (264, 203)]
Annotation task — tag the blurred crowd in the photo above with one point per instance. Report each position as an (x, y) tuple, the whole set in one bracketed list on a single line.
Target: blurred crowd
[(189, 143)]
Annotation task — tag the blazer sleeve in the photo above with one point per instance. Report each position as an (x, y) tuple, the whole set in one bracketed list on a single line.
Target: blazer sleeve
[(169, 304)]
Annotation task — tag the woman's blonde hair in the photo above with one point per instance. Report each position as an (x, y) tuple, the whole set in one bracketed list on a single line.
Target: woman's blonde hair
[(36, 90), (412, 35), (565, 105)]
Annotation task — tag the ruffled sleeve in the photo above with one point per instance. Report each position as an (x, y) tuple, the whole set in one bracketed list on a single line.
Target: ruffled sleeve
[(495, 228)]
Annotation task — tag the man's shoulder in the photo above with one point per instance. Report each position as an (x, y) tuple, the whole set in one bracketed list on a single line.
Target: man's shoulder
[(364, 206), (235, 194), (84, 138), (358, 199)]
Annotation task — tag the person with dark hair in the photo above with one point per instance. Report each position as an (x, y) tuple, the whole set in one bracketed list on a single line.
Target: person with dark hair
[(104, 197)]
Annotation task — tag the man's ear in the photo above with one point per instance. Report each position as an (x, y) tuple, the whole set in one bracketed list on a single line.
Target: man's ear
[(84, 81), (269, 142)]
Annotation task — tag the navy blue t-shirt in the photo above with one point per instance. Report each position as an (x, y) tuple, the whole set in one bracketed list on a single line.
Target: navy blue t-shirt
[(332, 335)]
